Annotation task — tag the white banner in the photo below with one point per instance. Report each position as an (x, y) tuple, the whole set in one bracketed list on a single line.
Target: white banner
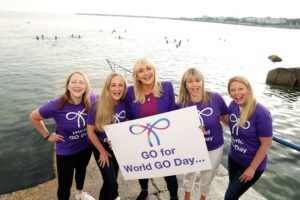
[(160, 145)]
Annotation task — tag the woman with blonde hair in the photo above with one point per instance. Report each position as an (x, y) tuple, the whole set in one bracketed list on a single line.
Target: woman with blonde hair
[(251, 137), (73, 148), (149, 96), (109, 108), (211, 106)]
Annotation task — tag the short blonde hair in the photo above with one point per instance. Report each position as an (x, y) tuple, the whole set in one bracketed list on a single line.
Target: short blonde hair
[(251, 102), (138, 86)]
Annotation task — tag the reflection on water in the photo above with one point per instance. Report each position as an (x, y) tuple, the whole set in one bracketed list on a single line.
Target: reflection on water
[(33, 72)]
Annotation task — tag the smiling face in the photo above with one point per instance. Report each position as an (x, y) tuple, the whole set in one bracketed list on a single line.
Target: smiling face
[(239, 93), (145, 74), (76, 87), (117, 87), (194, 88)]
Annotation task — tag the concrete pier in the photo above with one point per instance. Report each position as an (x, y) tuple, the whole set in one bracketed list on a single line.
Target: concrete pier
[(129, 190)]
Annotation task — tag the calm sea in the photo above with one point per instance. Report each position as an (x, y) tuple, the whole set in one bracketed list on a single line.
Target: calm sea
[(33, 72)]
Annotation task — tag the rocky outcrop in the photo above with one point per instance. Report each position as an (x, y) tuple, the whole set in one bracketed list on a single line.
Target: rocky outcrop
[(275, 58), (284, 76)]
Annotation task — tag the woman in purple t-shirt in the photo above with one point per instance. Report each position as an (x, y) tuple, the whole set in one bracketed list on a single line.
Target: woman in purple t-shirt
[(109, 108), (149, 96), (210, 107), (251, 137), (73, 148)]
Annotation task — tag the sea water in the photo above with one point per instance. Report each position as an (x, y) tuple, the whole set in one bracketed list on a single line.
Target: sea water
[(33, 72)]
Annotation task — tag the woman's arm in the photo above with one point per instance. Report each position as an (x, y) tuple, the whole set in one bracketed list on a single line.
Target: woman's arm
[(225, 119), (262, 151), (103, 159), (37, 121)]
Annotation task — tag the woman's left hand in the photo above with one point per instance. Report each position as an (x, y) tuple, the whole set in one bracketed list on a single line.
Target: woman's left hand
[(247, 175)]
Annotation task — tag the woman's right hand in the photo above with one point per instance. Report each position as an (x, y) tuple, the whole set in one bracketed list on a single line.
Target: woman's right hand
[(109, 143), (54, 137), (104, 159)]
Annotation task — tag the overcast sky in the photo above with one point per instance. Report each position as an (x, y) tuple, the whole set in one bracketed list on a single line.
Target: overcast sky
[(162, 8)]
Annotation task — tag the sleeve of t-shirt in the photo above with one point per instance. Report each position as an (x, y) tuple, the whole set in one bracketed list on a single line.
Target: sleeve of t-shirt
[(223, 107), (48, 110), (264, 123), (92, 114), (93, 97)]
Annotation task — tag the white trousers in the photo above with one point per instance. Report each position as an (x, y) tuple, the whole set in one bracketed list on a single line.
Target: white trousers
[(206, 176)]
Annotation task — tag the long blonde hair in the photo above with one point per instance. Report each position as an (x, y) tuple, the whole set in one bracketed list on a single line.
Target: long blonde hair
[(138, 86), (105, 107), (251, 102), (184, 97), (86, 95)]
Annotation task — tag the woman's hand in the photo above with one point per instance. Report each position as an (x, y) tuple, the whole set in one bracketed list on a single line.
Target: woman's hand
[(224, 119), (54, 137), (247, 175), (202, 127), (104, 159), (109, 143)]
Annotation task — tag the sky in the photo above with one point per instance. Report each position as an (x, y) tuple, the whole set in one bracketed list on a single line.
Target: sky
[(161, 8)]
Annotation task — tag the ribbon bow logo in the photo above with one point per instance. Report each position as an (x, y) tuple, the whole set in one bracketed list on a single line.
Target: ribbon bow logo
[(118, 116), (205, 112), (149, 129), (79, 115), (236, 120)]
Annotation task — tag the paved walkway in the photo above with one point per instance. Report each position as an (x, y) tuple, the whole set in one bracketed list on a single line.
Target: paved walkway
[(129, 190)]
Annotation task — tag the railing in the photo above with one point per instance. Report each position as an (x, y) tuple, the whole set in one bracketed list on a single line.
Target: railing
[(114, 65), (276, 139)]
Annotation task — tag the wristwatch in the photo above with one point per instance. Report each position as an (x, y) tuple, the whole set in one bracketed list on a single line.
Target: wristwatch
[(46, 138)]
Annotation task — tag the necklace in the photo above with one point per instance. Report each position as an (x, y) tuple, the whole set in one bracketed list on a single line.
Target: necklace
[(148, 97)]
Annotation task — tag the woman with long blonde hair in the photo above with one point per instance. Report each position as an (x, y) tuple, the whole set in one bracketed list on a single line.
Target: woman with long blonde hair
[(251, 137), (73, 148), (211, 106), (149, 96), (109, 108)]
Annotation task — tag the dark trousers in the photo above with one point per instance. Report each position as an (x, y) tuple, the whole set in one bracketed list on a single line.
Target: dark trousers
[(236, 188), (65, 170), (109, 190), (172, 185)]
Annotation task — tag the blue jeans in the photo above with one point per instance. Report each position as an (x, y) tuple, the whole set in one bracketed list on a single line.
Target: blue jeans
[(236, 188), (109, 190)]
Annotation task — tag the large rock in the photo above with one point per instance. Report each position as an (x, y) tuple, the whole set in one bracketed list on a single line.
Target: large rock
[(275, 58), (284, 76)]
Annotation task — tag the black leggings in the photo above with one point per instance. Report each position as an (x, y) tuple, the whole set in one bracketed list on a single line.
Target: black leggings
[(109, 190), (65, 170), (172, 185)]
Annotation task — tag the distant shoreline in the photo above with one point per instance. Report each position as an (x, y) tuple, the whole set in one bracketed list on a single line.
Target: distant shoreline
[(246, 21)]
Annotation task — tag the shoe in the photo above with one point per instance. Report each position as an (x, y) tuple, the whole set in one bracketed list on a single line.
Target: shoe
[(143, 195), (84, 196), (118, 198)]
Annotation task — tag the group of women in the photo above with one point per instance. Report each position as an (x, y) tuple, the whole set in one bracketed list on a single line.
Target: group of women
[(80, 118)]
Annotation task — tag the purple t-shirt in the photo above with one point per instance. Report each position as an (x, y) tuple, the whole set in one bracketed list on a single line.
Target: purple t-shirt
[(70, 123), (149, 107), (209, 116), (119, 116), (245, 140)]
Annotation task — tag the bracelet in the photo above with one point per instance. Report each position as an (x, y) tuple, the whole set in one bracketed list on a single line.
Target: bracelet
[(46, 138)]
